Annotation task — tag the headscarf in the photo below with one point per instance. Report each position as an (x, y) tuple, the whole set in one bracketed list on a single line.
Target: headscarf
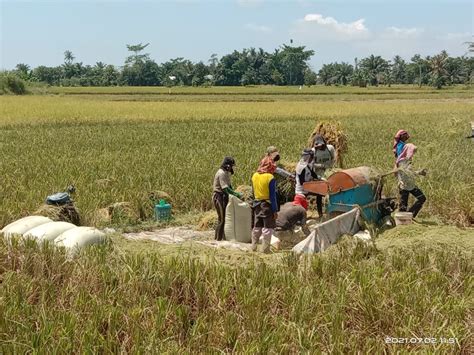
[(228, 164), (407, 153), (319, 139), (396, 139), (301, 201), (267, 165), (306, 157)]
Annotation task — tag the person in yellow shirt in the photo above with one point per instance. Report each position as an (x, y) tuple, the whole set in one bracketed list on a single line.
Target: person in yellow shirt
[(265, 205)]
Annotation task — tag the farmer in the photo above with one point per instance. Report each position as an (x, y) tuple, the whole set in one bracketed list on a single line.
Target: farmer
[(293, 214), (222, 188), (304, 171), (265, 205), (272, 152), (324, 158), (399, 142), (406, 180)]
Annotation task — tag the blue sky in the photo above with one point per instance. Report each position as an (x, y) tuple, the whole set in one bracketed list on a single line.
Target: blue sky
[(38, 32)]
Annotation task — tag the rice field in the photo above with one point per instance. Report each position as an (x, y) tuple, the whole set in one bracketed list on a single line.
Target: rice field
[(410, 291), (118, 144)]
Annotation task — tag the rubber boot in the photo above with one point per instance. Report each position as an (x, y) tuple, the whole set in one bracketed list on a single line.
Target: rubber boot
[(267, 237), (256, 233)]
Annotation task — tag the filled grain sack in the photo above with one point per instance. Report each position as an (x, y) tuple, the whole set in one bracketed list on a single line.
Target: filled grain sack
[(79, 237), (238, 221), (24, 224), (48, 231)]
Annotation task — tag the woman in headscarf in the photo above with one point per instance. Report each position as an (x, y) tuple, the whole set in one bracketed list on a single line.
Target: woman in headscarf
[(406, 180), (222, 188), (399, 142), (265, 206)]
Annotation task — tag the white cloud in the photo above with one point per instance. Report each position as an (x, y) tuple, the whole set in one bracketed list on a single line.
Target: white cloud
[(402, 32), (258, 28), (334, 40), (346, 29), (463, 36)]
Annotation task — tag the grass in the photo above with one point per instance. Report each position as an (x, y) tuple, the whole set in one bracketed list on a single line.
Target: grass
[(50, 141), (114, 299)]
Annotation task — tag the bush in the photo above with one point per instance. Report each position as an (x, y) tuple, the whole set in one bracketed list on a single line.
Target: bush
[(11, 84)]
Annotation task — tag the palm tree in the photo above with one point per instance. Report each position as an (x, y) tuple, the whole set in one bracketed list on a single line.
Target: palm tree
[(343, 73), (374, 66), (68, 57), (438, 70)]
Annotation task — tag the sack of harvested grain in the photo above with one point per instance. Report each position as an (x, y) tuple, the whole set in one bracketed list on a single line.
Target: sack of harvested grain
[(334, 135), (238, 221), (48, 231), (23, 225), (79, 237)]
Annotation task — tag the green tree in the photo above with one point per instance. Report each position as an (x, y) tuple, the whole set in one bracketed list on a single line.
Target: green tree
[(137, 57), (293, 63), (438, 71), (23, 71), (399, 70), (374, 67)]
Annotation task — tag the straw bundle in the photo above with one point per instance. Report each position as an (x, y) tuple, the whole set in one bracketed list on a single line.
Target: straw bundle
[(207, 221), (334, 135), (65, 213)]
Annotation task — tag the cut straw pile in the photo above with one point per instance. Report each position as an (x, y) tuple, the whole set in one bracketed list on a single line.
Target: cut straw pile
[(334, 135), (65, 213)]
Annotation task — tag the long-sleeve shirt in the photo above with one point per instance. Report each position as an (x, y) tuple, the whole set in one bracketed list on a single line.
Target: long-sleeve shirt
[(324, 159), (264, 189), (306, 175)]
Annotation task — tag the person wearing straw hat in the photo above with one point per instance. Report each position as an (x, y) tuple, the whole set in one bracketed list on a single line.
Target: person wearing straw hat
[(222, 188)]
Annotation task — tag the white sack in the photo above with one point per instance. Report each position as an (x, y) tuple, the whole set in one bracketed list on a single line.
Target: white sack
[(49, 231), (80, 237), (24, 224), (238, 221)]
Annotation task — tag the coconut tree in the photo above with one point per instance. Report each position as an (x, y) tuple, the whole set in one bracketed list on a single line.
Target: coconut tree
[(374, 66), (438, 72)]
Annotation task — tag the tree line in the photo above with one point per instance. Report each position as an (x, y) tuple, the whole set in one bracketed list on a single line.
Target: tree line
[(287, 65)]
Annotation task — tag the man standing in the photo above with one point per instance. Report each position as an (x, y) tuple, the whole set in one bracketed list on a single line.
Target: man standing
[(265, 206), (222, 188), (324, 158)]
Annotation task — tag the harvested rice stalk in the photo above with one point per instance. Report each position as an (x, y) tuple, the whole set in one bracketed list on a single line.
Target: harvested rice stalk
[(65, 213), (333, 134), (207, 221), (285, 187), (245, 190)]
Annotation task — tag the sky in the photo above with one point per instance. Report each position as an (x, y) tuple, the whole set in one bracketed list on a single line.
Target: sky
[(38, 32)]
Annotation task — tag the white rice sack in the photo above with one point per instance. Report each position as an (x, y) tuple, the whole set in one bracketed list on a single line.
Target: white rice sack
[(24, 224), (79, 237), (49, 231), (238, 221)]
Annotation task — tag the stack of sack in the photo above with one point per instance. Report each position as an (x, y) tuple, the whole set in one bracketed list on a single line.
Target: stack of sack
[(63, 234)]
